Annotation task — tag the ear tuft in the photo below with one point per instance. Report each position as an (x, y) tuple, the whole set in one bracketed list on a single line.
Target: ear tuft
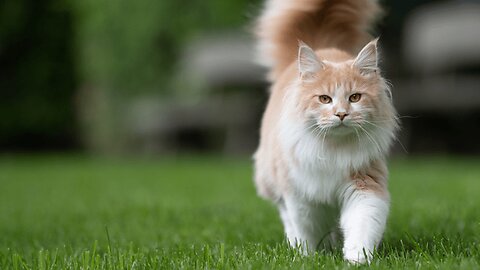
[(367, 58), (308, 63)]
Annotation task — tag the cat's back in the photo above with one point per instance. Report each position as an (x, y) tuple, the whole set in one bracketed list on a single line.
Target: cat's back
[(271, 168)]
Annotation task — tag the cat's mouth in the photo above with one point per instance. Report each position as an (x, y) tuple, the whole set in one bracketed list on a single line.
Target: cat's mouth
[(342, 128), (335, 128), (341, 124)]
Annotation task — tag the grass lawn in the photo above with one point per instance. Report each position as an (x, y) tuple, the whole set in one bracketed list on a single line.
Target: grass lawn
[(70, 212)]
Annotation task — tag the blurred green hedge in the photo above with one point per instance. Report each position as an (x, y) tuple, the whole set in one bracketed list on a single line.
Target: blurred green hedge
[(37, 74), (133, 45), (50, 49)]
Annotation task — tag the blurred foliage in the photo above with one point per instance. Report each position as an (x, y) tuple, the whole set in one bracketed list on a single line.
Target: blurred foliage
[(49, 49), (131, 46), (37, 74)]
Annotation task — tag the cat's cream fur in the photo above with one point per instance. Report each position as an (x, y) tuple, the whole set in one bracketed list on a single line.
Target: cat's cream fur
[(323, 164)]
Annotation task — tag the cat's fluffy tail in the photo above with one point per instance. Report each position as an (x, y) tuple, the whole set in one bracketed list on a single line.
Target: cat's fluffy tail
[(342, 24)]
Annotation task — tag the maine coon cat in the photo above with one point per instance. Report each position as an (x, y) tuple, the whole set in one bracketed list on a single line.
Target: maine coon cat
[(328, 124)]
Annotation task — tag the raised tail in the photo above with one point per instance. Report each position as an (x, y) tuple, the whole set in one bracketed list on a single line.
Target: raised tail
[(341, 24)]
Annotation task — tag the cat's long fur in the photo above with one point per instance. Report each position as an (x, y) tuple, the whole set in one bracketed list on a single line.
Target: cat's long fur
[(323, 164)]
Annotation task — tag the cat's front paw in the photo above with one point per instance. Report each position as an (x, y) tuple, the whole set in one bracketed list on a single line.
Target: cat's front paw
[(357, 256)]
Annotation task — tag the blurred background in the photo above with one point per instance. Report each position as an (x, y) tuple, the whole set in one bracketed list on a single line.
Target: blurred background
[(149, 77)]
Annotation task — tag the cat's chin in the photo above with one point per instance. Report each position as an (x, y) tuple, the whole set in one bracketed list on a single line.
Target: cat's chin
[(342, 130)]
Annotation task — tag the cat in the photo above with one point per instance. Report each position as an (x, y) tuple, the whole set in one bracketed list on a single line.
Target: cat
[(328, 125)]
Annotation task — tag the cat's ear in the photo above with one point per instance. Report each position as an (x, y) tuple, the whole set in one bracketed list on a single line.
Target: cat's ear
[(308, 62), (367, 58)]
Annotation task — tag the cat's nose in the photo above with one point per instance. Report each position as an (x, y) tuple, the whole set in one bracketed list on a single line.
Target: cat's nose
[(341, 115)]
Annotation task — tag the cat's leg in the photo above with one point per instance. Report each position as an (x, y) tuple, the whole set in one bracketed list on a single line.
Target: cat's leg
[(289, 229), (363, 217), (308, 224)]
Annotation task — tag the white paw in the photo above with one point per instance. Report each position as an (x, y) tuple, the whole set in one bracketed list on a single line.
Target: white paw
[(357, 255)]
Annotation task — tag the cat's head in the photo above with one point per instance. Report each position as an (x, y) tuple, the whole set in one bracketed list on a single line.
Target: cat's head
[(343, 95)]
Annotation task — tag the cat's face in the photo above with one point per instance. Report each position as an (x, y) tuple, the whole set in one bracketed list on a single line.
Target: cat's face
[(343, 98)]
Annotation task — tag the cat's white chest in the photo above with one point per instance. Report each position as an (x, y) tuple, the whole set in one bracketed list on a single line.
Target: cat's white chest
[(318, 183), (318, 171)]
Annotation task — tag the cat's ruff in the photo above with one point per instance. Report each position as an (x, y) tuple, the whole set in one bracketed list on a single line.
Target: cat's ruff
[(328, 125)]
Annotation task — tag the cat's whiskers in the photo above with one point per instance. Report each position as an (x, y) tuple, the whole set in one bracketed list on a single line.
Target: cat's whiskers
[(369, 136), (356, 133), (324, 136), (405, 116), (325, 131), (395, 118), (317, 133), (320, 133), (385, 121), (386, 130), (373, 124), (314, 124)]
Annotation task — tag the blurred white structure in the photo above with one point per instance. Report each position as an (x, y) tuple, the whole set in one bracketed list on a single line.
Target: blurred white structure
[(441, 41), (217, 94), (219, 60), (441, 36)]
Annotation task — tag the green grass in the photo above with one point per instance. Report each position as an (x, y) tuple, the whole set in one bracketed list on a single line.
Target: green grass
[(65, 212)]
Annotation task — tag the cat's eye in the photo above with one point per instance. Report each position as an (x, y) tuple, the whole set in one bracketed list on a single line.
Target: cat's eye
[(354, 98), (325, 99)]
